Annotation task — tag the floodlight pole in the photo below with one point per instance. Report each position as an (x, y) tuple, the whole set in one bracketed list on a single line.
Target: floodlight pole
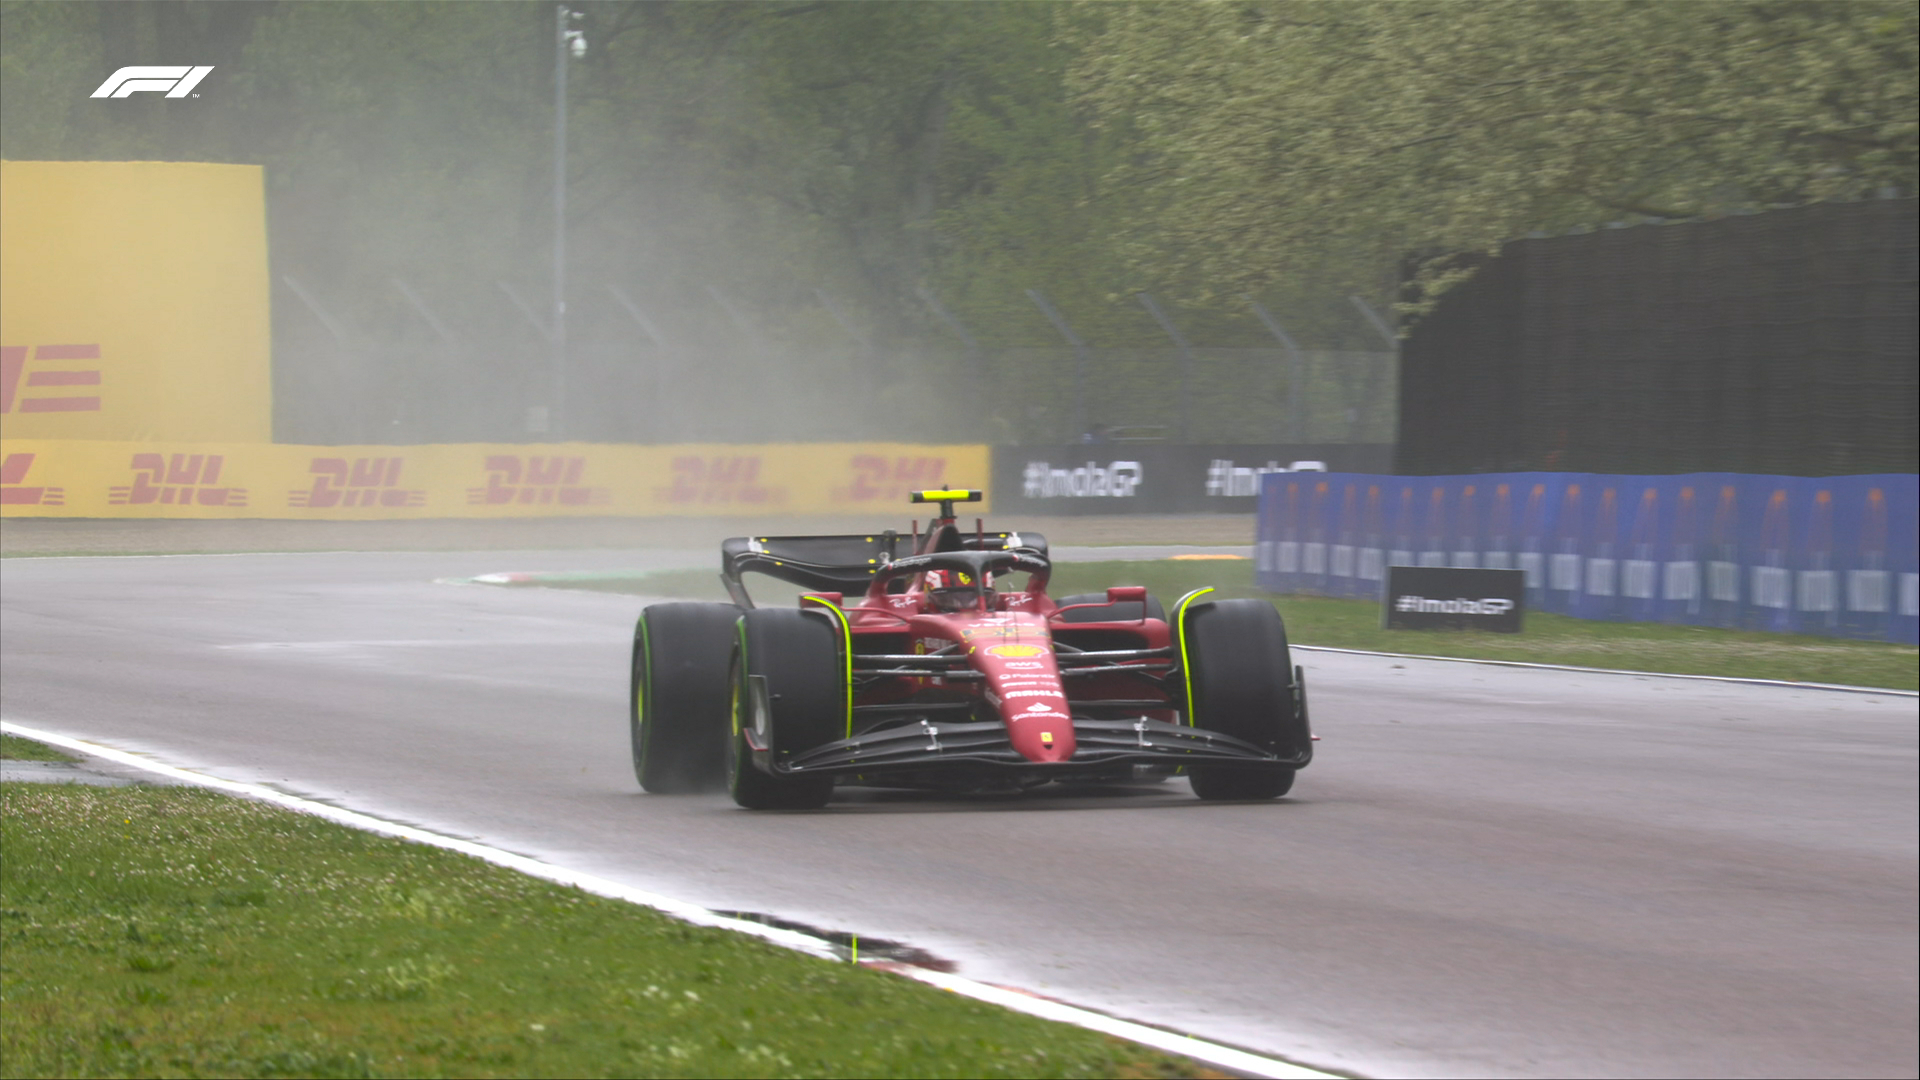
[(559, 322)]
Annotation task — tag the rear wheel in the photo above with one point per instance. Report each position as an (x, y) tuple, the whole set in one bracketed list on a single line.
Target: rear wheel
[(678, 696), (1242, 683), (789, 696)]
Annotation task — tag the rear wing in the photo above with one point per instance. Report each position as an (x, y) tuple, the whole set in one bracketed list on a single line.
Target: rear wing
[(845, 563)]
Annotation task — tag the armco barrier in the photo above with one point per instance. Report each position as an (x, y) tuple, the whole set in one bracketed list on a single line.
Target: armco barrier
[(1833, 555), (1156, 477), (82, 479)]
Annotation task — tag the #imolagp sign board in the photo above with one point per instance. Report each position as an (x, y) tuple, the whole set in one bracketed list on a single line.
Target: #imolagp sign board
[(1453, 598)]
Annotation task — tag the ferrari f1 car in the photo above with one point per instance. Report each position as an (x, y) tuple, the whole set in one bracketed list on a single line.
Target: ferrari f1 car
[(906, 665)]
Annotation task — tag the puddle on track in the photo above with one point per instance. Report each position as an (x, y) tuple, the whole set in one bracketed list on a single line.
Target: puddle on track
[(843, 942)]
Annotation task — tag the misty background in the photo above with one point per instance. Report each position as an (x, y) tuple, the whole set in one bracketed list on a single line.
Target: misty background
[(794, 221)]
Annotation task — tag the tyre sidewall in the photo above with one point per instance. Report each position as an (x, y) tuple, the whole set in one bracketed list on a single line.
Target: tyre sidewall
[(1240, 673), (799, 655), (679, 696)]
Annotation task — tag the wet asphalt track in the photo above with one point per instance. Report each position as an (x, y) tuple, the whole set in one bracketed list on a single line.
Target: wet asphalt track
[(1487, 871)]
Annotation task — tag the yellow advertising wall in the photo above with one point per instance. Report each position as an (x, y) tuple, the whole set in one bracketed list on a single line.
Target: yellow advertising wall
[(133, 302), (98, 479)]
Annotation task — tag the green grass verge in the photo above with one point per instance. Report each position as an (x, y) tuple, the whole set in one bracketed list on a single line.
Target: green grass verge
[(179, 932), (1355, 624), (19, 749)]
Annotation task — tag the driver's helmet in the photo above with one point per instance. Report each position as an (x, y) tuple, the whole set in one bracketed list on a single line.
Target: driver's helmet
[(953, 590)]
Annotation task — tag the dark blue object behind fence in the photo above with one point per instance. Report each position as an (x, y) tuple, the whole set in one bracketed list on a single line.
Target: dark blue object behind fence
[(1830, 555)]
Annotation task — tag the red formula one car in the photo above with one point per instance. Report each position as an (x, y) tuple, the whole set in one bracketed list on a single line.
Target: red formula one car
[(931, 677)]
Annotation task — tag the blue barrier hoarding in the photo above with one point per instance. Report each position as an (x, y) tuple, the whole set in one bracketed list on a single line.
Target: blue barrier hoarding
[(1834, 555)]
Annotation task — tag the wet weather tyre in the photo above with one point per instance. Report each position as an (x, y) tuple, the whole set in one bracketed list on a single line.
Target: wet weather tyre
[(789, 696), (678, 697), (1120, 612), (1242, 682), (1217, 784)]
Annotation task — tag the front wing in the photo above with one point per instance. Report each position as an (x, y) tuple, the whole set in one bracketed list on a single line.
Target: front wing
[(1100, 747)]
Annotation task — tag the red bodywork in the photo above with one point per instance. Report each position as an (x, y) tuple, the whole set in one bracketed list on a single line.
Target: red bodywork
[(978, 687), (1009, 639), (1011, 645)]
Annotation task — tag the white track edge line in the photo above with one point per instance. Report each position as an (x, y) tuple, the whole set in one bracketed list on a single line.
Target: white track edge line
[(1842, 687), (1046, 1009), (1171, 1042)]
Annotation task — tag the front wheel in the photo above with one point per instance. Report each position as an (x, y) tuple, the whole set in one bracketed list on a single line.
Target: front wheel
[(790, 695), (1217, 784), (1241, 682)]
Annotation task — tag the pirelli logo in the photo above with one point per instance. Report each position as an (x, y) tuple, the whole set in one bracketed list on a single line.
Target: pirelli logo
[(55, 378)]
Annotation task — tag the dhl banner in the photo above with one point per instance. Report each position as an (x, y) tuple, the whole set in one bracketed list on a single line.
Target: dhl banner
[(133, 301), (86, 479)]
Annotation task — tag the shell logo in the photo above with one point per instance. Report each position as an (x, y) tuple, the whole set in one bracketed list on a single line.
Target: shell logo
[(1016, 651)]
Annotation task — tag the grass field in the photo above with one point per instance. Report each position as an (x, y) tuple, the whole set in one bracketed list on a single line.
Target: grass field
[(19, 749), (171, 931), (1355, 624)]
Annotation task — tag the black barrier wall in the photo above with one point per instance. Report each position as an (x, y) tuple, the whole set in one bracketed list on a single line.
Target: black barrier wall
[(1777, 343), (1157, 478)]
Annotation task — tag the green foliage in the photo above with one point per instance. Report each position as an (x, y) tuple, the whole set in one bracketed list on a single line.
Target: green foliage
[(176, 932), (1281, 132)]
